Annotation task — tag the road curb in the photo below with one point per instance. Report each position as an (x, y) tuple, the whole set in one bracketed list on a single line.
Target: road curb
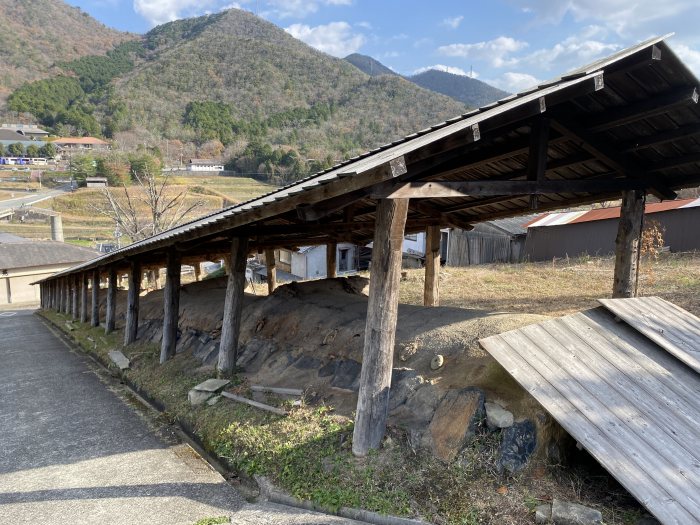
[(267, 491)]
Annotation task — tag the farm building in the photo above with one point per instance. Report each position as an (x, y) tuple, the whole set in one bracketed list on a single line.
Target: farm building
[(310, 262), (96, 182), (204, 165), (31, 131), (23, 261), (10, 136), (80, 143), (593, 232), (621, 127)]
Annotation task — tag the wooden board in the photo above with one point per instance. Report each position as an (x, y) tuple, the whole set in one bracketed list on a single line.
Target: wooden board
[(672, 328), (632, 405)]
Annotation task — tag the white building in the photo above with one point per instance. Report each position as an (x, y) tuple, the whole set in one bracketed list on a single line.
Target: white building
[(310, 261), (204, 165)]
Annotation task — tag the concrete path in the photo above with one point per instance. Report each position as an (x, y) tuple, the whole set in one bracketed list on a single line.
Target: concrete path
[(74, 448)]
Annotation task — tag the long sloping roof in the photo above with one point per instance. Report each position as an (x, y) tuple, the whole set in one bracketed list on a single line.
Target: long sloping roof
[(642, 101), (632, 405), (601, 214), (26, 253)]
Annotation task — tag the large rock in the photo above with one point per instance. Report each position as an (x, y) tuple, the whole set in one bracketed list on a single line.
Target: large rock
[(517, 445), (345, 372), (455, 421), (212, 385), (566, 513), (543, 514), (498, 417), (197, 397), (404, 382), (119, 359)]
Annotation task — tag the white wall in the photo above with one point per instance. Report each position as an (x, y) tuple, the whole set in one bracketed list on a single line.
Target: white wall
[(15, 287), (416, 247), (312, 263)]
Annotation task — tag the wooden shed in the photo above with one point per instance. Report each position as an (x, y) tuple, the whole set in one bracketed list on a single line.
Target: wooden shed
[(622, 126)]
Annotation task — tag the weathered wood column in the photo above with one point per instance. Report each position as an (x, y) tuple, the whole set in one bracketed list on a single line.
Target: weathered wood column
[(132, 308), (380, 328), (111, 307), (75, 304), (95, 283), (62, 296), (331, 265), (83, 297), (271, 265), (431, 292), (233, 306), (171, 306), (197, 271), (627, 243)]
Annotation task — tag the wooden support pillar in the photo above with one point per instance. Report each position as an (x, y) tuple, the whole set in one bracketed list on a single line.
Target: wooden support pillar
[(271, 265), (431, 292), (233, 306), (132, 308), (95, 313), (111, 307), (171, 306), (331, 265), (197, 271), (380, 328), (627, 243), (75, 281), (62, 296), (83, 297)]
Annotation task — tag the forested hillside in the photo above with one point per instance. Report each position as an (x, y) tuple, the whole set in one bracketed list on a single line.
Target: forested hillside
[(36, 34)]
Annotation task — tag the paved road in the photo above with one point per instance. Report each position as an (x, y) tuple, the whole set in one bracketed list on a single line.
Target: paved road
[(75, 450), (31, 198)]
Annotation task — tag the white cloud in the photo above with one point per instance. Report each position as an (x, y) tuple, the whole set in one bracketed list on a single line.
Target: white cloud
[(622, 16), (567, 54), (447, 69), (690, 56), (301, 8), (514, 82), (336, 38), (161, 11), (453, 22), (495, 51)]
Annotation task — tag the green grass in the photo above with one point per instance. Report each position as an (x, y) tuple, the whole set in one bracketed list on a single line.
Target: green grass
[(214, 521)]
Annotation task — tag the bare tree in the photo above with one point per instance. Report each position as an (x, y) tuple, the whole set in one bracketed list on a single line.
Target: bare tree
[(147, 207)]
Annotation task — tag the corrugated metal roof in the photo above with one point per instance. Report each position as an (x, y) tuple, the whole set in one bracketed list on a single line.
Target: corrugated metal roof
[(601, 214), (515, 111), (632, 405)]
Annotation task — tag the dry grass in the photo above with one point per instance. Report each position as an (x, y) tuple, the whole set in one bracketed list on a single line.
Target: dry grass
[(557, 288)]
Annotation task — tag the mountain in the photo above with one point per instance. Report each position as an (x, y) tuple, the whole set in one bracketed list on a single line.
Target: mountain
[(470, 91), (369, 65), (36, 34), (235, 71)]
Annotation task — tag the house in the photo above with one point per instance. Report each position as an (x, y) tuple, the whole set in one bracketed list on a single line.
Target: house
[(96, 182), (413, 248), (31, 131), (80, 143), (309, 262), (499, 241), (593, 232), (24, 261), (204, 165)]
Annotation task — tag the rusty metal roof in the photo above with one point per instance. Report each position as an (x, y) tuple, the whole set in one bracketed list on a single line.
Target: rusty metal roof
[(642, 101)]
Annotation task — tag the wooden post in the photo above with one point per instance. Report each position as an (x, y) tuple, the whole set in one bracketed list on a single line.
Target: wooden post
[(331, 266), (95, 314), (132, 309), (75, 304), (431, 292), (171, 306), (233, 306), (271, 264), (62, 296), (83, 296), (111, 314), (197, 271), (627, 243), (380, 328)]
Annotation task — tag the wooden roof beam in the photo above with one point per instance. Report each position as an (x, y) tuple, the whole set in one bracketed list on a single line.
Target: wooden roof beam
[(451, 189), (611, 158), (537, 156), (659, 139), (650, 107)]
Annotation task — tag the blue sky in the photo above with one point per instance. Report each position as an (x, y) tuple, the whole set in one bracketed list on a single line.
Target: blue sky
[(511, 44)]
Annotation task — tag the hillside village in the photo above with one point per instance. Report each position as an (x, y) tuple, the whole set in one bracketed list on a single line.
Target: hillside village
[(258, 282)]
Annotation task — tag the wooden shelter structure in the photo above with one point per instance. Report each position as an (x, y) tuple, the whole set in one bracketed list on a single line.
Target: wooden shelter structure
[(622, 126)]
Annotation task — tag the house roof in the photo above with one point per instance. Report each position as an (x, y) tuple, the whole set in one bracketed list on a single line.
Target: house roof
[(629, 121), (205, 162), (29, 253), (8, 237), (80, 140), (9, 134), (513, 225), (601, 214)]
